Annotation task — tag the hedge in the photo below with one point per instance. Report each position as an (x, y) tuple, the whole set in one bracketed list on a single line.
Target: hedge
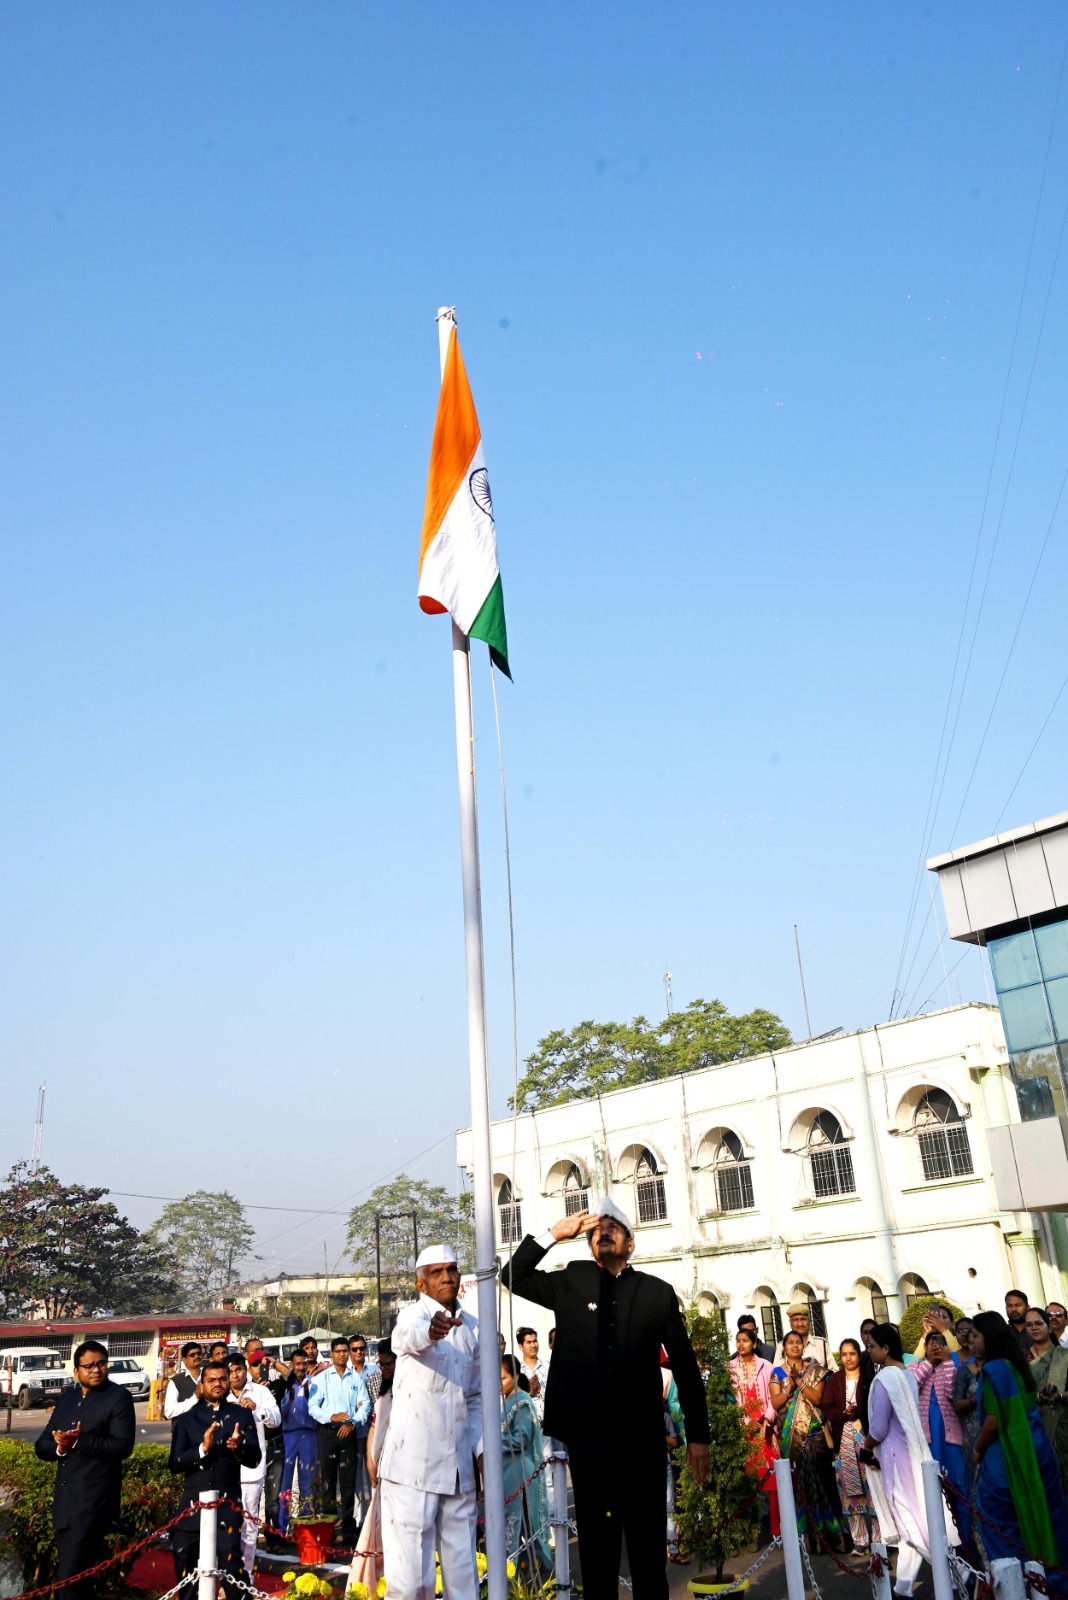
[(912, 1321), (150, 1496)]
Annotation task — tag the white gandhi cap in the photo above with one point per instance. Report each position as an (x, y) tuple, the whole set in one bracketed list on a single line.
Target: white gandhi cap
[(608, 1208), (436, 1255)]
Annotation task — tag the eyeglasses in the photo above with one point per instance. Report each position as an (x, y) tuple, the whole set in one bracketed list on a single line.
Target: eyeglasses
[(360, 1349), (92, 1366)]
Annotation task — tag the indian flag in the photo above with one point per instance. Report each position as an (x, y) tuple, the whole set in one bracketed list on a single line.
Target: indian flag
[(458, 570)]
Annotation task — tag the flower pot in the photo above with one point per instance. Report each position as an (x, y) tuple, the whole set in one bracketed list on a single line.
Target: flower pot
[(707, 1583), (314, 1539)]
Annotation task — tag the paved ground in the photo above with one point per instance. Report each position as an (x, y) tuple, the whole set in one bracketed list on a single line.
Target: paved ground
[(30, 1423)]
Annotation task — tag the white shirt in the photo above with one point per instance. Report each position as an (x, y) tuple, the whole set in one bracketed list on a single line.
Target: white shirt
[(172, 1406), (435, 1424), (266, 1412)]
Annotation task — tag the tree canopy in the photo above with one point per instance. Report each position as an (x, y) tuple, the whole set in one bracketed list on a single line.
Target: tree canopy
[(440, 1216), (597, 1056), (66, 1251), (204, 1238)]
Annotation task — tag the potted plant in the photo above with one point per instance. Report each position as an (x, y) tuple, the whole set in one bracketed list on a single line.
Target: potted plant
[(718, 1518), (313, 1531)]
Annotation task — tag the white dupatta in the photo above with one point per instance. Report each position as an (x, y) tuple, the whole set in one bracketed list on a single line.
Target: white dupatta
[(895, 1520)]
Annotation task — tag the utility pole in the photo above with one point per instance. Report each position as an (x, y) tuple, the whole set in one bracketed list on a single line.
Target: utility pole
[(38, 1129), (667, 991), (390, 1216)]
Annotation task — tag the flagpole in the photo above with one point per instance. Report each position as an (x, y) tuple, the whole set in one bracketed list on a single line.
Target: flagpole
[(485, 1236)]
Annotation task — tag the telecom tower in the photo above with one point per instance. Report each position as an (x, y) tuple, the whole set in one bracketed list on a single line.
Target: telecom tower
[(38, 1130)]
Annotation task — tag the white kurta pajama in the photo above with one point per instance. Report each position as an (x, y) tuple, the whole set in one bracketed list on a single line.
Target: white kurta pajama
[(252, 1478), (427, 1471)]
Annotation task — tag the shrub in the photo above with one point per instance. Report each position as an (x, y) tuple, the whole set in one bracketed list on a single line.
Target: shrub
[(150, 1495), (716, 1518), (912, 1321)]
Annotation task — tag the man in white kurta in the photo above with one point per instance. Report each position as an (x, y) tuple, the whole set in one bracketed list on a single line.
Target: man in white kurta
[(427, 1470)]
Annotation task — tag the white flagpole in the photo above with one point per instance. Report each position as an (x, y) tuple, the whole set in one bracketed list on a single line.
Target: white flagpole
[(485, 1236)]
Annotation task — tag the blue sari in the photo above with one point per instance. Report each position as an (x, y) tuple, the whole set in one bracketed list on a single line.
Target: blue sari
[(1018, 1487), (526, 1516)]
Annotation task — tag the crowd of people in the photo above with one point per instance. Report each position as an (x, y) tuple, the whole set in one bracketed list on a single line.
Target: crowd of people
[(390, 1442), (984, 1396)]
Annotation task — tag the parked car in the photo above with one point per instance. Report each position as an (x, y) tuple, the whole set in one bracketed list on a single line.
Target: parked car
[(129, 1374), (31, 1376)]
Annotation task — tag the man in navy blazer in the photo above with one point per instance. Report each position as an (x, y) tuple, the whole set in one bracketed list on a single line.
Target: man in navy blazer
[(90, 1433), (211, 1443)]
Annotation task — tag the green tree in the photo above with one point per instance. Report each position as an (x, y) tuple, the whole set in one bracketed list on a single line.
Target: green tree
[(204, 1237), (715, 1519), (439, 1216), (65, 1250), (598, 1056)]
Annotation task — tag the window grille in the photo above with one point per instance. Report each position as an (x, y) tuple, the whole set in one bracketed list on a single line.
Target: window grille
[(879, 1308), (943, 1139), (510, 1212), (734, 1177), (576, 1195), (830, 1158), (771, 1323), (649, 1190), (130, 1344)]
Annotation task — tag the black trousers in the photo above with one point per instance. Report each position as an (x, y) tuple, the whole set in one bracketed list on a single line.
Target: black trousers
[(272, 1487), (620, 1494), (337, 1478), (80, 1546)]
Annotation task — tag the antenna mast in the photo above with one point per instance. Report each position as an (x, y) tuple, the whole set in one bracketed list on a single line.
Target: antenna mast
[(667, 990), (38, 1129)]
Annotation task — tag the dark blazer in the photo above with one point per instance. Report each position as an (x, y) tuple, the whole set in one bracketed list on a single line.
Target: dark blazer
[(89, 1479), (221, 1467), (605, 1366)]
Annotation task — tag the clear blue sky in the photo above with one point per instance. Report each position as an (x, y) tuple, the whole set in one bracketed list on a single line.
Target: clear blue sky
[(737, 287)]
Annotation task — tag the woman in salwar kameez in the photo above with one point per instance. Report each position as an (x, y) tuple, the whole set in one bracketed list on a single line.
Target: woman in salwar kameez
[(895, 1434), (526, 1516), (1018, 1487), (1050, 1373), (841, 1409)]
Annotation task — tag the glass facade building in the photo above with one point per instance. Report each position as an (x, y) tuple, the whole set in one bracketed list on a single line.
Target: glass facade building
[(1030, 969)]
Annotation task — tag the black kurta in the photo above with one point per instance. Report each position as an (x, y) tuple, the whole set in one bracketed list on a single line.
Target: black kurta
[(219, 1469), (85, 1507), (605, 1399)]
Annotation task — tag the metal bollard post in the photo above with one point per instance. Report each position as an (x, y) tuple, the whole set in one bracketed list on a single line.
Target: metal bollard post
[(881, 1585), (936, 1530), (791, 1543), (561, 1527), (209, 1543), (1008, 1577)]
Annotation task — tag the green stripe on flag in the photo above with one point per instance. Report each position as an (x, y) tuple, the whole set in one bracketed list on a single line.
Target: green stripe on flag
[(489, 627)]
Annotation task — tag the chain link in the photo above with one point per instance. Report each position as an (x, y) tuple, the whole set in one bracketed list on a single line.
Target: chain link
[(807, 1559)]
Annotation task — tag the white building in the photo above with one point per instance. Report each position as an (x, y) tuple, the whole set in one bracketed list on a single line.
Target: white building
[(851, 1171)]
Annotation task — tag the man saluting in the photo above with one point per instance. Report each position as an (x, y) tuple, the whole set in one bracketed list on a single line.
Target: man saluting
[(604, 1396), (212, 1442)]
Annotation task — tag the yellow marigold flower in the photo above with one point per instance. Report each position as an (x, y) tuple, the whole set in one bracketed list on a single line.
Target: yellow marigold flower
[(509, 1569), (380, 1589), (288, 1577), (482, 1564), (307, 1584), (357, 1591)]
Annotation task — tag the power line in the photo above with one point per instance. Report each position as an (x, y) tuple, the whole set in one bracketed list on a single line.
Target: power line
[(246, 1205), (934, 802), (1034, 747)]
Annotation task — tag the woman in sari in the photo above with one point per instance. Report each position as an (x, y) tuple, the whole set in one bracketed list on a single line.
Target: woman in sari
[(751, 1381), (896, 1437), (796, 1391), (1050, 1372), (526, 1517), (367, 1557), (841, 1409), (965, 1386), (1018, 1486)]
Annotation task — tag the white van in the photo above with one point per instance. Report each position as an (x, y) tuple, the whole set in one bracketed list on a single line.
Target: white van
[(31, 1376)]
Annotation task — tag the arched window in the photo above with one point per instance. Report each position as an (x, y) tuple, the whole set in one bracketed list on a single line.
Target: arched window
[(943, 1138), (830, 1158), (913, 1287), (733, 1174), (509, 1213), (576, 1194), (649, 1190)]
